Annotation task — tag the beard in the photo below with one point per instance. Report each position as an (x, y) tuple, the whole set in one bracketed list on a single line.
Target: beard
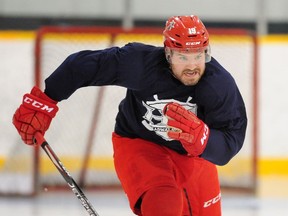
[(189, 77)]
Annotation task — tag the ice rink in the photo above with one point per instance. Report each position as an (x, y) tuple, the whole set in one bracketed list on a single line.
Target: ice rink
[(114, 203)]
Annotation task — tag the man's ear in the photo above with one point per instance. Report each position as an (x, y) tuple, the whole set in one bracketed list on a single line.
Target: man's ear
[(168, 54)]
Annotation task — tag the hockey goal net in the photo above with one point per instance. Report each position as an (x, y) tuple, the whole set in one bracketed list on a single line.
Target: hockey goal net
[(81, 132)]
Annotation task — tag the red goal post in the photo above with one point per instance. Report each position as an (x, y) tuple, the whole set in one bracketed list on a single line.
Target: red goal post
[(81, 133)]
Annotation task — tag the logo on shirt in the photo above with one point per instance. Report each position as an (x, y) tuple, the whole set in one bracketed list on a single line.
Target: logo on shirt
[(155, 120)]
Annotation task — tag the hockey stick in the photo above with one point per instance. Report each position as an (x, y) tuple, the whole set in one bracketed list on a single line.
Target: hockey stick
[(40, 140)]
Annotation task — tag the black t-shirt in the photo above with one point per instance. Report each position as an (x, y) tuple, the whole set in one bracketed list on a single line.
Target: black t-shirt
[(144, 71)]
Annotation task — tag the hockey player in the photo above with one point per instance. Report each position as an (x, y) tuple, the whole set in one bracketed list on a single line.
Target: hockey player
[(182, 115)]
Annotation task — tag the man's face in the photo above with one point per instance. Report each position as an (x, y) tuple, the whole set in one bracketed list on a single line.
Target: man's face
[(187, 66)]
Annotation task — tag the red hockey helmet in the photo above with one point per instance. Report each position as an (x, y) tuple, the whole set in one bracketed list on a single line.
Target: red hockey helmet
[(186, 33)]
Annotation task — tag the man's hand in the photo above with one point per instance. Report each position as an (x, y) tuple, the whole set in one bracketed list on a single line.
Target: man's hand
[(34, 114), (187, 128)]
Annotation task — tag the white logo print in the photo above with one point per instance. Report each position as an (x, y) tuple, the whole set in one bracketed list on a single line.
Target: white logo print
[(171, 25), (192, 30), (154, 120), (193, 43), (38, 104), (205, 133), (212, 201)]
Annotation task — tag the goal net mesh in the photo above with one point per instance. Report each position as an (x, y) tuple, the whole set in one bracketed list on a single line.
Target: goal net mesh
[(81, 132)]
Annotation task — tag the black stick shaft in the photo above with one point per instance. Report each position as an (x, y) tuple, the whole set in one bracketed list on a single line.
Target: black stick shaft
[(66, 175)]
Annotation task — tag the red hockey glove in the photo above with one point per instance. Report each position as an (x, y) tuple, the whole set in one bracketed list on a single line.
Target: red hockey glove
[(187, 128), (34, 114)]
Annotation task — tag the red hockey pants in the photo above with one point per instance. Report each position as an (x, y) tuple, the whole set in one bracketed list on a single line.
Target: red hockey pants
[(162, 182)]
